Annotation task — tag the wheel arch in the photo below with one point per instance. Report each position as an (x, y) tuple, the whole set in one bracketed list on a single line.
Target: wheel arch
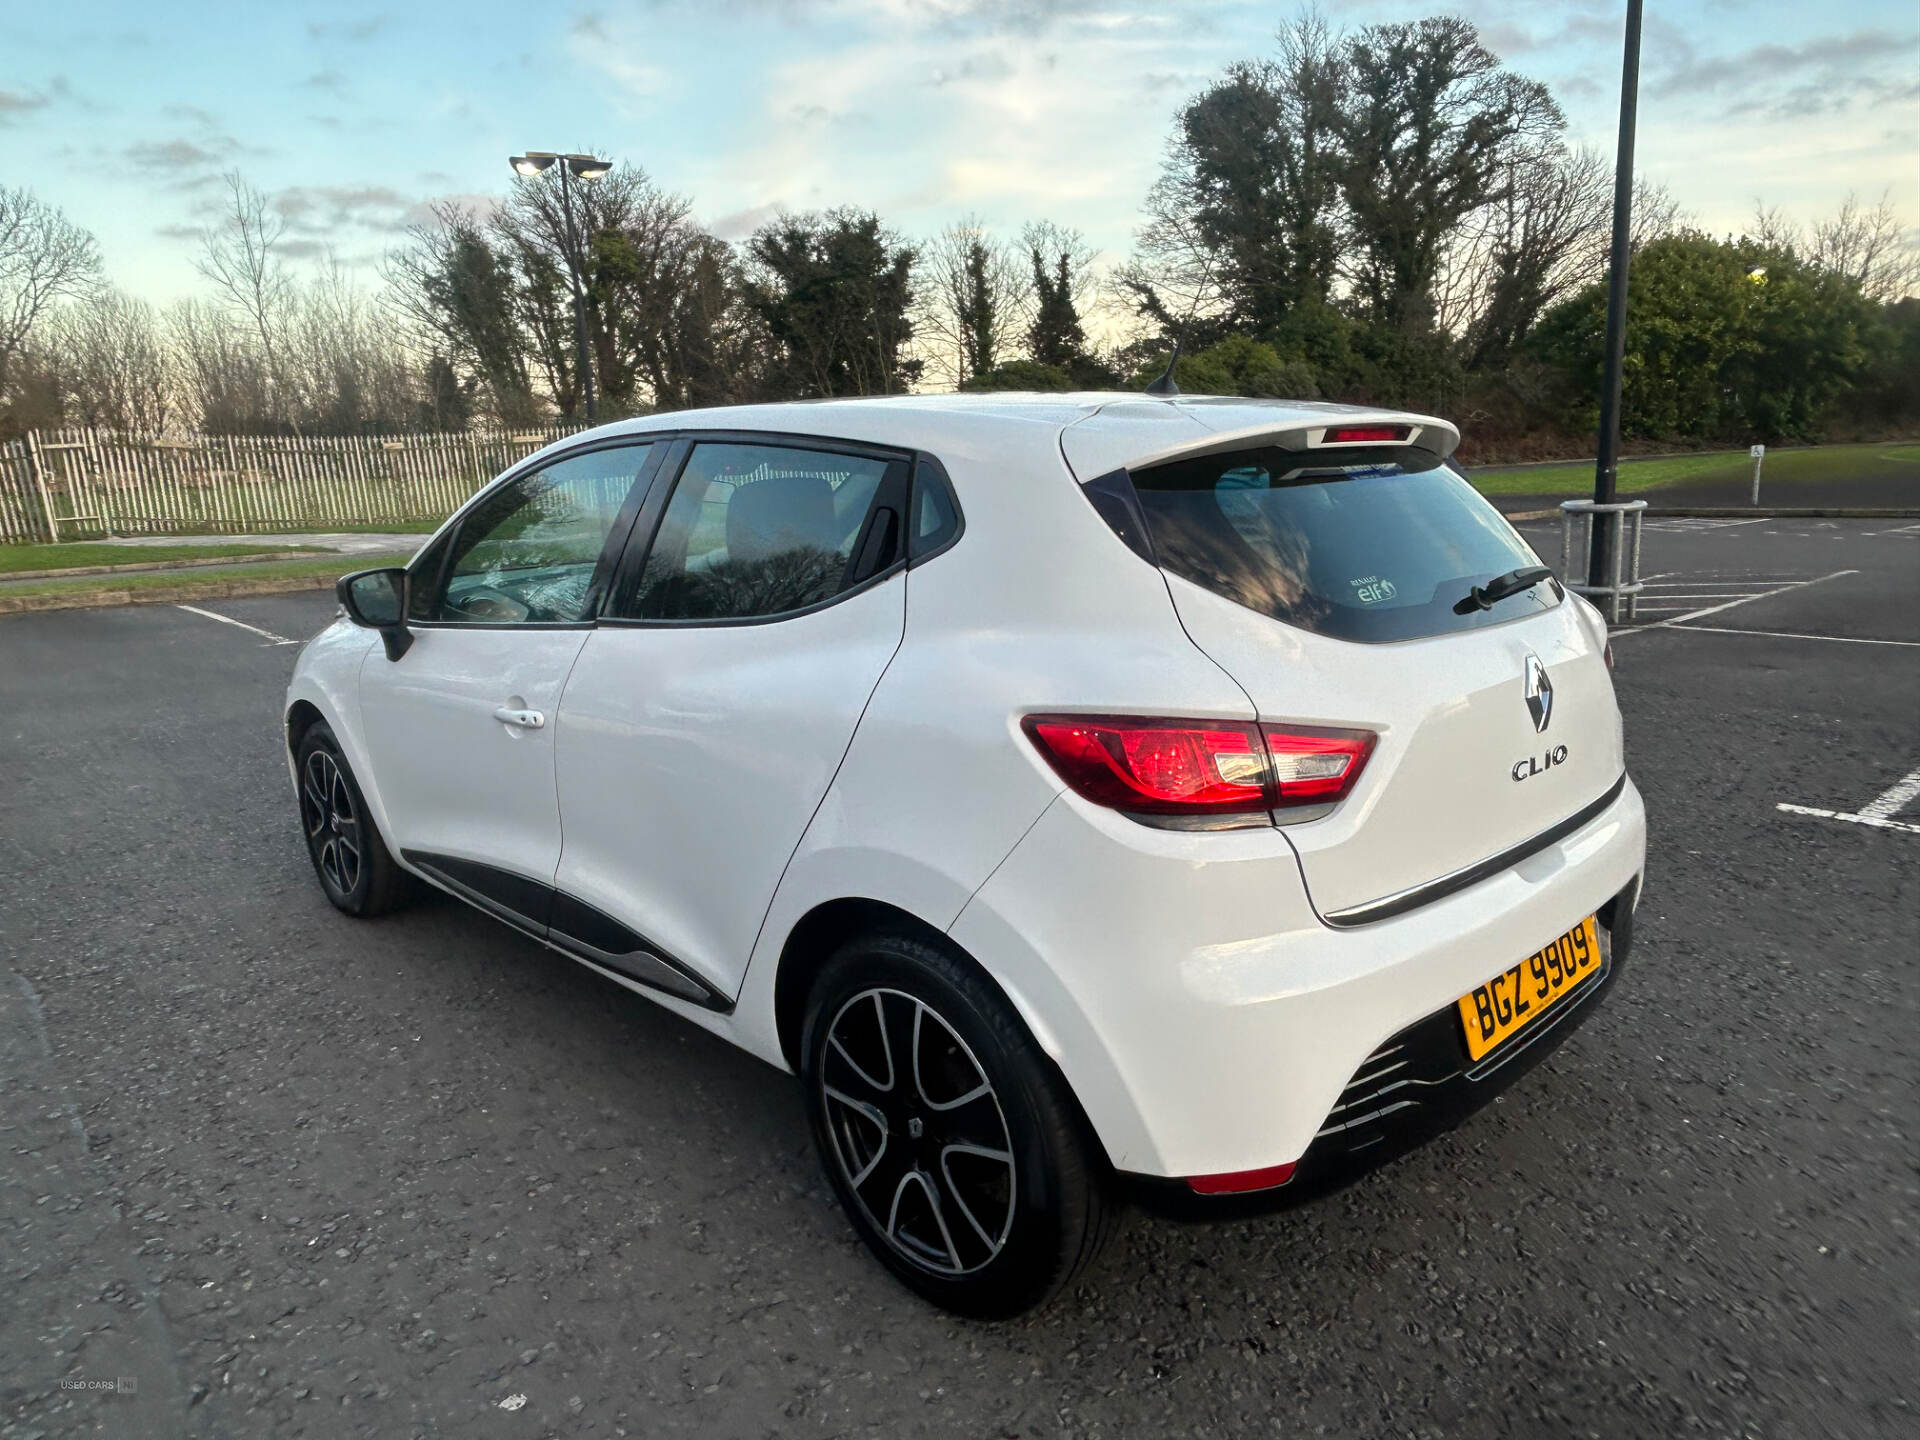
[(814, 939), (819, 933), (302, 716)]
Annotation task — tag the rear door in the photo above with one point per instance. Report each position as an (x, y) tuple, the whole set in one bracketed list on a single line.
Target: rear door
[(1333, 583), (709, 712)]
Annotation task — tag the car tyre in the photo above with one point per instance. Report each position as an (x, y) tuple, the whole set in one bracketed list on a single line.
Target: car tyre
[(954, 1144), (352, 862)]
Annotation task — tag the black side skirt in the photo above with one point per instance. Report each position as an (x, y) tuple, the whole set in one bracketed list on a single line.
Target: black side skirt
[(570, 926)]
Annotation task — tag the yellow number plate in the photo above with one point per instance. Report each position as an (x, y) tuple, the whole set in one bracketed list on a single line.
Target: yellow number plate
[(1515, 998)]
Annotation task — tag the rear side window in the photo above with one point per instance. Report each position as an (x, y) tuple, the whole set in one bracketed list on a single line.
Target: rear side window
[(760, 530), (936, 518), (1367, 545)]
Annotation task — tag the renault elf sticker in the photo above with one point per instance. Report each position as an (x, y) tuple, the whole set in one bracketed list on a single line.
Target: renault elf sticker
[(1372, 589)]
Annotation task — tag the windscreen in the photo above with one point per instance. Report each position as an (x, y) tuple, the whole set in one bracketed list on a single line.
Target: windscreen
[(1362, 544)]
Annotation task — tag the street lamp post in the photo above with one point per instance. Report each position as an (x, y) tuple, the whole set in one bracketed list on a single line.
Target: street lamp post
[(1605, 473), (584, 167)]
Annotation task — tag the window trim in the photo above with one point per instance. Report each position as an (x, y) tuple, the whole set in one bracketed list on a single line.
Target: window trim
[(646, 528), (610, 547)]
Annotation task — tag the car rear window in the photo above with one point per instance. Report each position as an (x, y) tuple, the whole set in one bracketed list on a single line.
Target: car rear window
[(1363, 544)]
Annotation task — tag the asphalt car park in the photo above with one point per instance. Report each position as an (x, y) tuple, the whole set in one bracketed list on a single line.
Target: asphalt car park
[(287, 1173)]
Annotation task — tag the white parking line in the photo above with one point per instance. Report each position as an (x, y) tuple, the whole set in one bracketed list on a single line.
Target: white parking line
[(1730, 604), (1796, 635), (1896, 797), (1873, 821), (229, 620), (1698, 523), (1877, 813)]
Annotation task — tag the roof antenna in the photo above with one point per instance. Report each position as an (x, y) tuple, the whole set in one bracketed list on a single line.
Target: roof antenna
[(1165, 385)]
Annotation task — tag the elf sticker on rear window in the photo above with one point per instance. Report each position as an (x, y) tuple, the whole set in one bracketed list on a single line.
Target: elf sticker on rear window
[(1373, 589)]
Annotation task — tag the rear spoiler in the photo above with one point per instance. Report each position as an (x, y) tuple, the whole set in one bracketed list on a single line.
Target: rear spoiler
[(1425, 432)]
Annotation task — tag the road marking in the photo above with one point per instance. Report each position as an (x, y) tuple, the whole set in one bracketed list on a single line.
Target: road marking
[(1896, 797), (1728, 605), (1663, 598), (1875, 821), (1795, 635), (1699, 522), (1877, 813), (229, 620)]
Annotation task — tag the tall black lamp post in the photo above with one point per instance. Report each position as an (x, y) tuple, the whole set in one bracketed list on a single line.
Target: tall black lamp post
[(583, 167), (1606, 468)]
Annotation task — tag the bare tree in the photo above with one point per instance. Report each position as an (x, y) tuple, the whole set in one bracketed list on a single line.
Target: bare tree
[(44, 258), (1773, 228), (1870, 248), (240, 258), (974, 294), (119, 366), (224, 387), (351, 372), (1867, 246)]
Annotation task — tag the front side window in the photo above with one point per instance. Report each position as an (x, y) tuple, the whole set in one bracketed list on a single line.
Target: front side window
[(526, 554), (760, 530), (1368, 545)]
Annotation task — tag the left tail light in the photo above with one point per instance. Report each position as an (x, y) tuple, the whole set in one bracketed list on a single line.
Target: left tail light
[(1199, 768)]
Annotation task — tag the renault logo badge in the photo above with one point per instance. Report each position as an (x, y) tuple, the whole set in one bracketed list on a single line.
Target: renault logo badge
[(1539, 691)]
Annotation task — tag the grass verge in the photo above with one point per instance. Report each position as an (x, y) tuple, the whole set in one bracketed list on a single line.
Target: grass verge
[(173, 585), (15, 558), (1805, 465)]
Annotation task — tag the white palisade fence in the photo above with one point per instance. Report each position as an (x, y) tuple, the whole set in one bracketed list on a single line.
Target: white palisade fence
[(74, 484)]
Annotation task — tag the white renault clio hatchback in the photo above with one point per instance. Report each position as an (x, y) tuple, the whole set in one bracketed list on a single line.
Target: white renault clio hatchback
[(1082, 794)]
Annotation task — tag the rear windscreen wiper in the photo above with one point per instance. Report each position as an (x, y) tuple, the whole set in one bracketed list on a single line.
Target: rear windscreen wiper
[(1485, 597)]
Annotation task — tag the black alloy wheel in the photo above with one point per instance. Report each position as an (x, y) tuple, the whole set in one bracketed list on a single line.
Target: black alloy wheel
[(952, 1140), (352, 862)]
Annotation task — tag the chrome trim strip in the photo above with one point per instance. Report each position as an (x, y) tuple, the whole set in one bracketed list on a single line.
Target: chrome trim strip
[(1398, 903)]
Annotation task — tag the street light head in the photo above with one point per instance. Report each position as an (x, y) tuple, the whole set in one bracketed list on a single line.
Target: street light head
[(532, 164), (588, 168)]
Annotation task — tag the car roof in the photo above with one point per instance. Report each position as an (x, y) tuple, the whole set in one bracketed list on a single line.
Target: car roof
[(1096, 431)]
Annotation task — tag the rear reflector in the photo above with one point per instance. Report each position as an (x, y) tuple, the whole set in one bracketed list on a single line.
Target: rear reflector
[(1239, 1182), (1365, 434), (1152, 766)]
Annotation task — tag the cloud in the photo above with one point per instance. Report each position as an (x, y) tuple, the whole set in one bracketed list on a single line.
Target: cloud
[(174, 155), (739, 224), (192, 115), (990, 66), (323, 212), (1826, 74), (354, 32), (16, 103), (333, 82)]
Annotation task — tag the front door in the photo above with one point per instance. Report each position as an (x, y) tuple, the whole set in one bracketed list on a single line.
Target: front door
[(460, 730), (709, 711)]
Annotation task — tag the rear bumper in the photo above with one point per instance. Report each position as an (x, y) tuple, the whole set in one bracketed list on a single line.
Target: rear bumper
[(1211, 1023), (1419, 1084)]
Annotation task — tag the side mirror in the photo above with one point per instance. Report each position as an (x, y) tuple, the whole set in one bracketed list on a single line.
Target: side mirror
[(377, 599)]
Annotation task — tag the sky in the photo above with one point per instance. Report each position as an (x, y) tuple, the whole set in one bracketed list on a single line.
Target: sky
[(353, 117)]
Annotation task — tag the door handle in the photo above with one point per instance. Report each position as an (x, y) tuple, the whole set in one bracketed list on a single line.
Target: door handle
[(525, 719)]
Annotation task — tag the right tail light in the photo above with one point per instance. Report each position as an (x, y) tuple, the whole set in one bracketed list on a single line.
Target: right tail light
[(1199, 768)]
